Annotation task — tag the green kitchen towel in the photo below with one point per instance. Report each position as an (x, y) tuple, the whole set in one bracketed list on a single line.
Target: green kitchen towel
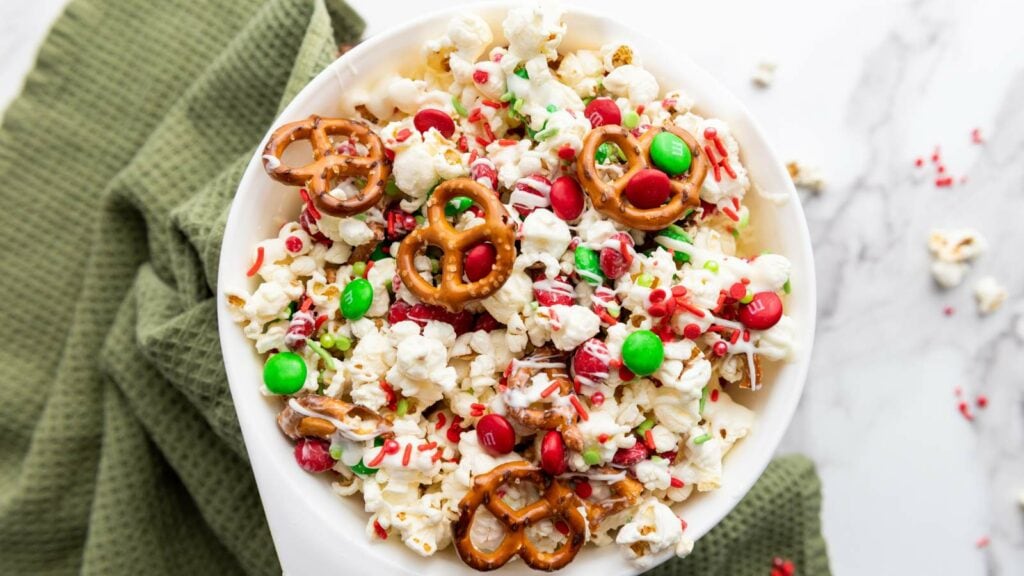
[(121, 453)]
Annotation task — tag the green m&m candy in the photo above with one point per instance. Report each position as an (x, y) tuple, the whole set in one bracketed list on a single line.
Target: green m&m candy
[(670, 154), (284, 373), (676, 233), (588, 265), (457, 206), (643, 352), (592, 456), (356, 299)]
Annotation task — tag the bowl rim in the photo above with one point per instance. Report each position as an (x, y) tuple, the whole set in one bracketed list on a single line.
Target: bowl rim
[(732, 490)]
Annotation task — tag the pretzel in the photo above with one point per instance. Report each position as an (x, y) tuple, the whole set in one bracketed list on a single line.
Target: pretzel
[(330, 415), (608, 198), (561, 418), (748, 383), (328, 164), (625, 493), (453, 292), (558, 502)]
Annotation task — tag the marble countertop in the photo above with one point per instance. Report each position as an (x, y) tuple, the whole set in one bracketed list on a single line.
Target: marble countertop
[(862, 89)]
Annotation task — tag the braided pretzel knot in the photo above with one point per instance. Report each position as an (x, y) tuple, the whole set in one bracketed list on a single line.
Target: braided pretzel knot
[(557, 502), (608, 196), (561, 418), (497, 229), (328, 164)]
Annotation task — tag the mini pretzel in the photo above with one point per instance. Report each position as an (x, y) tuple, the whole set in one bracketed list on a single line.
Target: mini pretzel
[(558, 502), (625, 493), (330, 411), (608, 197), (748, 383), (558, 418), (328, 164), (453, 292)]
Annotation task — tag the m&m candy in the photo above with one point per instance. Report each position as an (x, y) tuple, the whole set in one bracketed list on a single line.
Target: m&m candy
[(356, 298), (643, 352), (284, 373)]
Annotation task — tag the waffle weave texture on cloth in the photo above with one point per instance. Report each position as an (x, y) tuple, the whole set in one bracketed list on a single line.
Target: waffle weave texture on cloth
[(121, 452)]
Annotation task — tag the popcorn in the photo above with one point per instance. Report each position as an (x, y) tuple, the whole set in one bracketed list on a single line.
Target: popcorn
[(953, 249), (432, 374), (990, 294)]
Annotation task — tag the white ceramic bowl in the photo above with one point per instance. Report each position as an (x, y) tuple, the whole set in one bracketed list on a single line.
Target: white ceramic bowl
[(315, 531)]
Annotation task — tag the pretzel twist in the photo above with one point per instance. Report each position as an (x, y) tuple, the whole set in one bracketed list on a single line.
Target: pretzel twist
[(557, 502), (608, 197), (558, 418), (453, 292), (328, 164), (355, 420)]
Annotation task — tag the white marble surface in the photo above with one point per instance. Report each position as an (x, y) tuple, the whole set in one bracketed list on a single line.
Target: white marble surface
[(862, 89)]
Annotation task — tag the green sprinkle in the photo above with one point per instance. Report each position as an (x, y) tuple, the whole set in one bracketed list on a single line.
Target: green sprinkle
[(656, 458), (359, 269), (342, 343), (786, 287), (552, 108), (360, 182), (748, 298), (363, 469), (545, 134), (645, 280), (712, 266), (459, 108), (613, 310), (701, 439), (517, 106), (744, 219), (457, 206), (522, 73), (420, 219), (392, 189), (588, 100), (689, 213), (631, 120), (507, 96), (402, 408), (703, 398), (592, 456), (327, 341), (323, 354), (435, 265), (645, 426), (335, 451)]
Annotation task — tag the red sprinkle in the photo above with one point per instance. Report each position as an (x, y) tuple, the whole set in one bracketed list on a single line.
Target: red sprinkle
[(602, 438), (491, 104), (983, 542), (597, 398), (720, 348), (692, 331), (919, 162), (437, 455), (320, 321), (965, 410), (714, 395), (677, 483), (976, 136), (408, 455), (506, 142), (550, 389), (476, 409), (731, 214), (379, 530), (567, 153), (309, 204), (579, 407), (649, 439), (683, 523), (454, 431), (737, 291), (427, 446), (982, 401), (481, 76), (710, 133), (403, 135), (257, 264), (441, 419), (293, 243)]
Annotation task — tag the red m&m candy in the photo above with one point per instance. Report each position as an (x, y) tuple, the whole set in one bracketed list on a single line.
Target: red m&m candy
[(496, 434), (433, 118), (479, 261), (566, 198), (313, 455), (602, 111), (648, 188), (552, 453), (763, 312)]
